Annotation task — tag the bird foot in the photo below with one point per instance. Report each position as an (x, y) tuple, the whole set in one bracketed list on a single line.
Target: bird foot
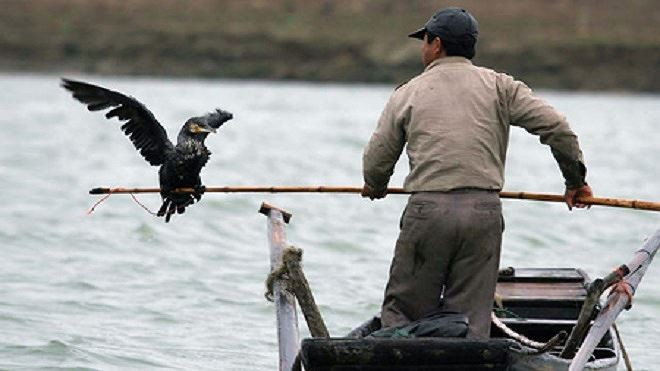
[(163, 208), (199, 191)]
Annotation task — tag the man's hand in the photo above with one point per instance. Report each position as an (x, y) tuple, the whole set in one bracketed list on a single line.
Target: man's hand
[(571, 197), (369, 192)]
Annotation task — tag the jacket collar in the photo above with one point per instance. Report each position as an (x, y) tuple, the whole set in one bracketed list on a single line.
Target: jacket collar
[(446, 61)]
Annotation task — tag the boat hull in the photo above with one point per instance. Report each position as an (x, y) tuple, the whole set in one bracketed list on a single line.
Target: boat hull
[(539, 304), (344, 354)]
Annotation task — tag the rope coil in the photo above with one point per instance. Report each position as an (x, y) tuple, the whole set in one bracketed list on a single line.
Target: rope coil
[(280, 274)]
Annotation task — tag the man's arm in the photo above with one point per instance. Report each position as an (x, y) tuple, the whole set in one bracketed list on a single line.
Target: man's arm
[(539, 118), (383, 151)]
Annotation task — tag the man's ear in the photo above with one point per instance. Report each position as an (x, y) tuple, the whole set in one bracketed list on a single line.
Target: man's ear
[(437, 45)]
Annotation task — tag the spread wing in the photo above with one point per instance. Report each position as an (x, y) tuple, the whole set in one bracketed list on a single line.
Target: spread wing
[(146, 133)]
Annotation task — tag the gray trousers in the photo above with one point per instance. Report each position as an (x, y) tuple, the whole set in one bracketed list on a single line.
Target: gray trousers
[(446, 258)]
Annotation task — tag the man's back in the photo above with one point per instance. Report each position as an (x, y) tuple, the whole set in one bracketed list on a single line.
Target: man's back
[(455, 119), (456, 136)]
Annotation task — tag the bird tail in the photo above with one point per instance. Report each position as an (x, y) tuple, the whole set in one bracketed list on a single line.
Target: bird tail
[(175, 203)]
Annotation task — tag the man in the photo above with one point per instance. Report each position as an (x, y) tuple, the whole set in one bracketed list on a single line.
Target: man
[(454, 118)]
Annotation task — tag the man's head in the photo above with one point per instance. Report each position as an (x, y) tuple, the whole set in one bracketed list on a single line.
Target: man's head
[(453, 31)]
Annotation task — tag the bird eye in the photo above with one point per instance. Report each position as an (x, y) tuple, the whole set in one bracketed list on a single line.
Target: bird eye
[(194, 128)]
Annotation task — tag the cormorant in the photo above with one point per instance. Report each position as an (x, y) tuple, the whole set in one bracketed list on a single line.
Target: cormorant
[(180, 165)]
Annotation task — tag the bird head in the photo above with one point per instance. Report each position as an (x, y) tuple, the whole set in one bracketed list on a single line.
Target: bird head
[(208, 123), (217, 118)]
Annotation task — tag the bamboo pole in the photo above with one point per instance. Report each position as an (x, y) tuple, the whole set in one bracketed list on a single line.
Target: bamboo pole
[(599, 201), (617, 301)]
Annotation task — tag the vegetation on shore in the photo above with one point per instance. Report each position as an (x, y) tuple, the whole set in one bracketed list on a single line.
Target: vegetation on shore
[(561, 44)]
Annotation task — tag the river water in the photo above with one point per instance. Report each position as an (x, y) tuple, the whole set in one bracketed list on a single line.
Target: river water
[(120, 289)]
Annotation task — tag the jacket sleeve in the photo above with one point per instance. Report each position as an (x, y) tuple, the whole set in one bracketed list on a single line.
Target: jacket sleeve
[(384, 147), (539, 118)]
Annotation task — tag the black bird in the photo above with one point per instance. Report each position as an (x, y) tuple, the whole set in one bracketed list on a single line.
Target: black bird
[(180, 165)]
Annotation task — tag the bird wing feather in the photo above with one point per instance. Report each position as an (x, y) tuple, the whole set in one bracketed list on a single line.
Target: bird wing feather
[(147, 134)]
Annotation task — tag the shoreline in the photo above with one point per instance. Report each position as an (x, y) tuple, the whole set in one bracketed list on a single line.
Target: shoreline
[(57, 74), (560, 45)]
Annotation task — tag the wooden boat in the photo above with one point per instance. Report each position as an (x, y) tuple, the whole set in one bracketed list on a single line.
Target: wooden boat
[(539, 303)]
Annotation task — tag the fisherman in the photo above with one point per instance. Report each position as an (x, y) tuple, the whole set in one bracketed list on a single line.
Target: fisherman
[(454, 118)]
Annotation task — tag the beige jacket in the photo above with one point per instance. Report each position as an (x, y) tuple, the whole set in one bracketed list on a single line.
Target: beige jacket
[(455, 119)]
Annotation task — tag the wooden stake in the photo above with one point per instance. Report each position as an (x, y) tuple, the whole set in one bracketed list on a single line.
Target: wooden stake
[(594, 291), (600, 201), (285, 302), (303, 292)]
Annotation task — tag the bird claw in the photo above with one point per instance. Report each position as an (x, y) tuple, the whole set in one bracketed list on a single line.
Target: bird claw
[(170, 207), (163, 209), (171, 210), (199, 191)]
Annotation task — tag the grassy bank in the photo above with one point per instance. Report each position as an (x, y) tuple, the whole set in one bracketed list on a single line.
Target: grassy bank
[(586, 44)]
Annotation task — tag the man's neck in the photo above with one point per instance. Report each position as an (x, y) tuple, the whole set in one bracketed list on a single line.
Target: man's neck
[(447, 60)]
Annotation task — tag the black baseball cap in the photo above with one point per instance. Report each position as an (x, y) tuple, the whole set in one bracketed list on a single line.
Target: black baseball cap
[(451, 24)]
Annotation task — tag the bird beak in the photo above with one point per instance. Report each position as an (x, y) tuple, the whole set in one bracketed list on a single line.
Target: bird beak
[(203, 128)]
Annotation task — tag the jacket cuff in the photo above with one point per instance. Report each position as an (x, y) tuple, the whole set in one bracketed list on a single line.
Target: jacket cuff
[(573, 170), (575, 175), (375, 188)]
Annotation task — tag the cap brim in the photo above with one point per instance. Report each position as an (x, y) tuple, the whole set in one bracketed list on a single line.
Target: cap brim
[(419, 34)]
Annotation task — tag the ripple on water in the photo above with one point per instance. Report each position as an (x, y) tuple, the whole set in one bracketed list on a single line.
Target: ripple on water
[(80, 286), (51, 353), (146, 233)]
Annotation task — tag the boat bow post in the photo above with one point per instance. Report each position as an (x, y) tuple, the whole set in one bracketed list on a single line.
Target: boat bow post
[(285, 302)]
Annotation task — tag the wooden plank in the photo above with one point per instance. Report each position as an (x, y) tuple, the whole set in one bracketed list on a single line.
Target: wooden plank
[(544, 275), (510, 290)]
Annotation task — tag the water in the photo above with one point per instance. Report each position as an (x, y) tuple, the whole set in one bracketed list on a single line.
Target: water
[(122, 290)]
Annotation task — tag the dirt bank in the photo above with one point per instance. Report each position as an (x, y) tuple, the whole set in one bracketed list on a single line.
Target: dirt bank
[(587, 44)]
